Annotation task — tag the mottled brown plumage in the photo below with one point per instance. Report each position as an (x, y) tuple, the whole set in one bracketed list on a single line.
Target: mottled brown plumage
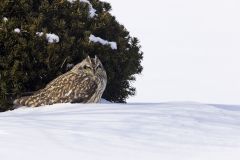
[(84, 83)]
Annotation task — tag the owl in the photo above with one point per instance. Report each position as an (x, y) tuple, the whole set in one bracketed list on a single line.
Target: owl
[(84, 83)]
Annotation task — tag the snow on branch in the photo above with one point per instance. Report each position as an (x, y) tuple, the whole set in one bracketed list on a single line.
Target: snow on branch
[(17, 30), (95, 39), (51, 37), (92, 11), (5, 19)]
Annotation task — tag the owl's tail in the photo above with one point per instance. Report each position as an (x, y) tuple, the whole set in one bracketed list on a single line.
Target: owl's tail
[(21, 101)]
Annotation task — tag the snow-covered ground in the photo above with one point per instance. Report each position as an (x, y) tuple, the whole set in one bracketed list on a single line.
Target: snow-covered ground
[(166, 131)]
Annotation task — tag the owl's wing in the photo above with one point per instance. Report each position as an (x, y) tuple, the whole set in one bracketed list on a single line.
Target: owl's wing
[(71, 88), (46, 95), (27, 94), (66, 88), (55, 81), (84, 90)]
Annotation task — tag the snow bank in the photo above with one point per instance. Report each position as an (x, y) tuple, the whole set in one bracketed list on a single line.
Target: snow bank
[(95, 39), (170, 131), (92, 11)]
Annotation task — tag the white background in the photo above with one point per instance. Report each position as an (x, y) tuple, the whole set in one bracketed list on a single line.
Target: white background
[(192, 48)]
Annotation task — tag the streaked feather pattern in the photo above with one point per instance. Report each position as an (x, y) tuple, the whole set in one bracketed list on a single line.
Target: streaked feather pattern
[(85, 83)]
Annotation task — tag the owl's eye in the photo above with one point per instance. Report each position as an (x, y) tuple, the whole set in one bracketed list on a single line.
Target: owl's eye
[(99, 67), (86, 67)]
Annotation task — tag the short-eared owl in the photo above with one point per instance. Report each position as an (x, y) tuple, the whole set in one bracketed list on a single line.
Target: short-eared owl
[(84, 83)]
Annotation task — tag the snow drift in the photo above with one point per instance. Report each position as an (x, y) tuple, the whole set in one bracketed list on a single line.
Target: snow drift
[(167, 131)]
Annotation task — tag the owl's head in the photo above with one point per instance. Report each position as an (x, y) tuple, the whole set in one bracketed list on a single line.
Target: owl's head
[(90, 66)]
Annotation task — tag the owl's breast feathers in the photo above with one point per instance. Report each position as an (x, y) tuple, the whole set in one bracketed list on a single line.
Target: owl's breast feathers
[(67, 88)]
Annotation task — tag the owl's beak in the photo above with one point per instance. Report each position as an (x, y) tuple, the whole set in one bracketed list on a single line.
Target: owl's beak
[(94, 71)]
